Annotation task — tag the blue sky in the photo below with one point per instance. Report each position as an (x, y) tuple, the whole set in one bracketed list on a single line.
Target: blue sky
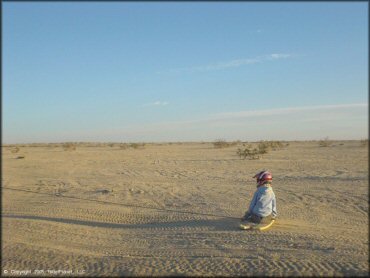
[(182, 71)]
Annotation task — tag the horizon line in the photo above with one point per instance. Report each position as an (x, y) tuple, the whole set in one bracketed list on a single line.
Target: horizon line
[(179, 142)]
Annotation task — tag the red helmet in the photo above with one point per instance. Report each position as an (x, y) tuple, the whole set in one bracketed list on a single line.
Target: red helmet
[(263, 177)]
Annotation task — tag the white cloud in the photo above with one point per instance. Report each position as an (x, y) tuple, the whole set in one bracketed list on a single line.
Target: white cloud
[(260, 115), (278, 56), (281, 111), (231, 64), (337, 121), (255, 31), (156, 103)]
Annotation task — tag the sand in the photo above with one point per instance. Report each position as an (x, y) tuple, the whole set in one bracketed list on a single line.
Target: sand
[(173, 209)]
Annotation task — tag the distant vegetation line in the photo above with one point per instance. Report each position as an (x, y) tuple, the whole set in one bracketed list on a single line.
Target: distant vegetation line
[(221, 142)]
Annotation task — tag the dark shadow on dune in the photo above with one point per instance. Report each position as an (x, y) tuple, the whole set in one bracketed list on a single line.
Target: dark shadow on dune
[(120, 204), (223, 224), (207, 160)]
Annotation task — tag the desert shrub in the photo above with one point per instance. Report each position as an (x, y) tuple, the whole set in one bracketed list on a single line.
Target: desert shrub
[(234, 143), (123, 146), (15, 150), (134, 145), (263, 147), (220, 143), (364, 142), (249, 152), (276, 144), (137, 145), (241, 153), (325, 142), (69, 146), (255, 153), (20, 157)]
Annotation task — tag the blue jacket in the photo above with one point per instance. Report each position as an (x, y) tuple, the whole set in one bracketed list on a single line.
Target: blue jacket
[(263, 202)]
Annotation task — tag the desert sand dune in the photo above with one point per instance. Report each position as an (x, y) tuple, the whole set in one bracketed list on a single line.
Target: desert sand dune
[(173, 209)]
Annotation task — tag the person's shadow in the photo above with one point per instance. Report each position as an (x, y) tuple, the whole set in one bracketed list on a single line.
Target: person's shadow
[(219, 224)]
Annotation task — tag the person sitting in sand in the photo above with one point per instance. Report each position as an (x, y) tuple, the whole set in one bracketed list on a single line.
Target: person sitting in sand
[(262, 209)]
